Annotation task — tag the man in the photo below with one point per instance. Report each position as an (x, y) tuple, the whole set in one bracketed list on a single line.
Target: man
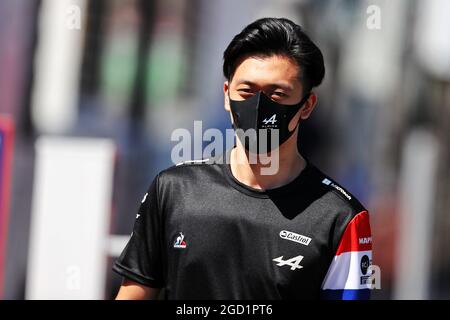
[(221, 228)]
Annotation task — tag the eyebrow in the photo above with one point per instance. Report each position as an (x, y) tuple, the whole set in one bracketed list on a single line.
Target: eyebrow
[(279, 84)]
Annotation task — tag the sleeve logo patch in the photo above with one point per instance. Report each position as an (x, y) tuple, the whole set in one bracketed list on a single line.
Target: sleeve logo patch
[(365, 263), (365, 240)]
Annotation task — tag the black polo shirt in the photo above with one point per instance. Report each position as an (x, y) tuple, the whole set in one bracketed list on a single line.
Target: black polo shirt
[(202, 234)]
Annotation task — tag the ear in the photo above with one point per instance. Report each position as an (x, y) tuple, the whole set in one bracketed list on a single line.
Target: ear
[(309, 106), (226, 96), (305, 111)]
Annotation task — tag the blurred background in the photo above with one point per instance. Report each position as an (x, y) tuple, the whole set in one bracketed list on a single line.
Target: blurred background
[(91, 91)]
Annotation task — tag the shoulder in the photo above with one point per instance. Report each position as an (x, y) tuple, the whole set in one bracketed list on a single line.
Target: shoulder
[(348, 216), (337, 192), (190, 170), (338, 200)]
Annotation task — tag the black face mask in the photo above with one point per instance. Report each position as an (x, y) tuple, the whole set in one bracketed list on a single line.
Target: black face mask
[(261, 112)]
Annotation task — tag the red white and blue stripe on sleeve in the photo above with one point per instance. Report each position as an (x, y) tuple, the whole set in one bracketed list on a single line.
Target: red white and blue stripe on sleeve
[(348, 276)]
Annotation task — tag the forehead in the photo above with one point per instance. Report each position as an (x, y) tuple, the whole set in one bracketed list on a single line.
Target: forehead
[(267, 70)]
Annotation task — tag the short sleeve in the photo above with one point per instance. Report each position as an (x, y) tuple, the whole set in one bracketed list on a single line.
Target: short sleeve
[(348, 276), (141, 260)]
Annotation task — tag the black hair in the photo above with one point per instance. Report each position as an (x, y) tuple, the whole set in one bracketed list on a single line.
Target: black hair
[(276, 36)]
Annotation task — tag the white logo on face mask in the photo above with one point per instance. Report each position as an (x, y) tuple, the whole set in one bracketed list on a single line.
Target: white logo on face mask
[(271, 120)]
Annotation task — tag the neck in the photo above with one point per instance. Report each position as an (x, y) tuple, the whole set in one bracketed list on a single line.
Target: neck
[(290, 164)]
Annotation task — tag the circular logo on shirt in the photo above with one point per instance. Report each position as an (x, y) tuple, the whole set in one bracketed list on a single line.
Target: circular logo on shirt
[(283, 233), (365, 262)]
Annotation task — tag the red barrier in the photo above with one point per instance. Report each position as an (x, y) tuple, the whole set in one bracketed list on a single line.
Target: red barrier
[(6, 156)]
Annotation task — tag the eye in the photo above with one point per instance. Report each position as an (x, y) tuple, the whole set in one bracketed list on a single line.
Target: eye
[(279, 94), (245, 90)]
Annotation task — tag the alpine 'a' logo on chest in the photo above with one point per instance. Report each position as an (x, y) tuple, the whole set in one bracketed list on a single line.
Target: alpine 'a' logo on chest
[(294, 262)]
